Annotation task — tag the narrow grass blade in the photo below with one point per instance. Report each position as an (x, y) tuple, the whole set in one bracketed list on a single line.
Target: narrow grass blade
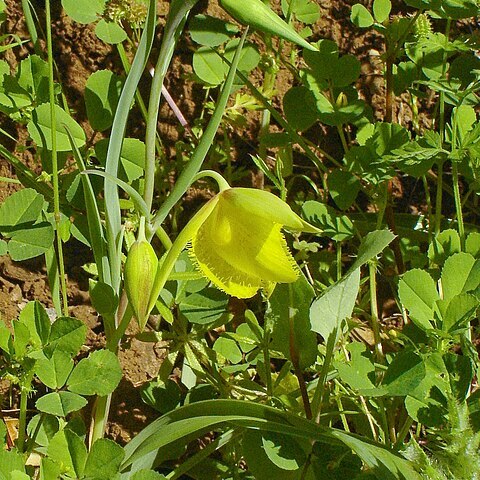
[(97, 235)]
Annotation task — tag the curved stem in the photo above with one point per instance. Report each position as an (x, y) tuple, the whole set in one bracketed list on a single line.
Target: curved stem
[(166, 263), (221, 182)]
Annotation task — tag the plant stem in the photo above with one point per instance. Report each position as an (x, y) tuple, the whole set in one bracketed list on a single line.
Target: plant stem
[(101, 410), (295, 357), (22, 421), (221, 182), (56, 193), (438, 199), (374, 311), (176, 20)]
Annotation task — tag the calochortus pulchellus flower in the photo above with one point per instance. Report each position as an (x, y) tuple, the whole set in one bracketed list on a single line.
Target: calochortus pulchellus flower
[(236, 242), (240, 246)]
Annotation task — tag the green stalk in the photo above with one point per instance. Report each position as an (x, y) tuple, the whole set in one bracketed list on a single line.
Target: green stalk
[(100, 414), (429, 207), (177, 17), (374, 311), (166, 264), (456, 186), (317, 400), (438, 202), (267, 332), (339, 261), (295, 357), (56, 192), (22, 420), (438, 199)]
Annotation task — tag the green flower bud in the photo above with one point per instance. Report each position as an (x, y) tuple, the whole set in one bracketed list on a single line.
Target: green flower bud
[(139, 275), (261, 17)]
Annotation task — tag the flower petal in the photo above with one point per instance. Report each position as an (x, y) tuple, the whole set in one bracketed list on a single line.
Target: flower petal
[(241, 252), (266, 205)]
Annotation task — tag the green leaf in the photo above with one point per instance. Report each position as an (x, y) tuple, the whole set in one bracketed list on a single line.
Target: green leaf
[(193, 420), (132, 158), (337, 227), (305, 11), (209, 66), (228, 349), (60, 404), (418, 293), (5, 338), (472, 244), (33, 77), (104, 299), (381, 10), (343, 187), (162, 396), (84, 11), (21, 339), (104, 459), (49, 470), (205, 307), (147, 475), (54, 371), (289, 314), (372, 245), (10, 460), (460, 311), (102, 93), (404, 374), (35, 317), (40, 128), (359, 371), (44, 427), (455, 273), (280, 450), (335, 305), (360, 16), (98, 374), (446, 243), (21, 210), (110, 32), (210, 31), (67, 335), (32, 242), (69, 450), (298, 105)]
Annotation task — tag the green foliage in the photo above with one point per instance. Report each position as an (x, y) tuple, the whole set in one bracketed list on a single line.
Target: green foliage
[(362, 368)]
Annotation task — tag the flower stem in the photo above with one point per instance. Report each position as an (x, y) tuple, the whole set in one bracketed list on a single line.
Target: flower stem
[(56, 189), (221, 182)]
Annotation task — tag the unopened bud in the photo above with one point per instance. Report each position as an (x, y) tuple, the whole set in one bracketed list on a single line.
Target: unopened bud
[(139, 275), (342, 100)]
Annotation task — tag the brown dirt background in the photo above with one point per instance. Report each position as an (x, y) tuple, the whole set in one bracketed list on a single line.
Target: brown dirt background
[(78, 53)]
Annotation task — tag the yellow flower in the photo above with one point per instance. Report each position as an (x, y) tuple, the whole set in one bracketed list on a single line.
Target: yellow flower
[(239, 245)]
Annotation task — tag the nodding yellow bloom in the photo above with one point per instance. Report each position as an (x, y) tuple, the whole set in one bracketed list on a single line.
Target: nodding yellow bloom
[(239, 245)]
